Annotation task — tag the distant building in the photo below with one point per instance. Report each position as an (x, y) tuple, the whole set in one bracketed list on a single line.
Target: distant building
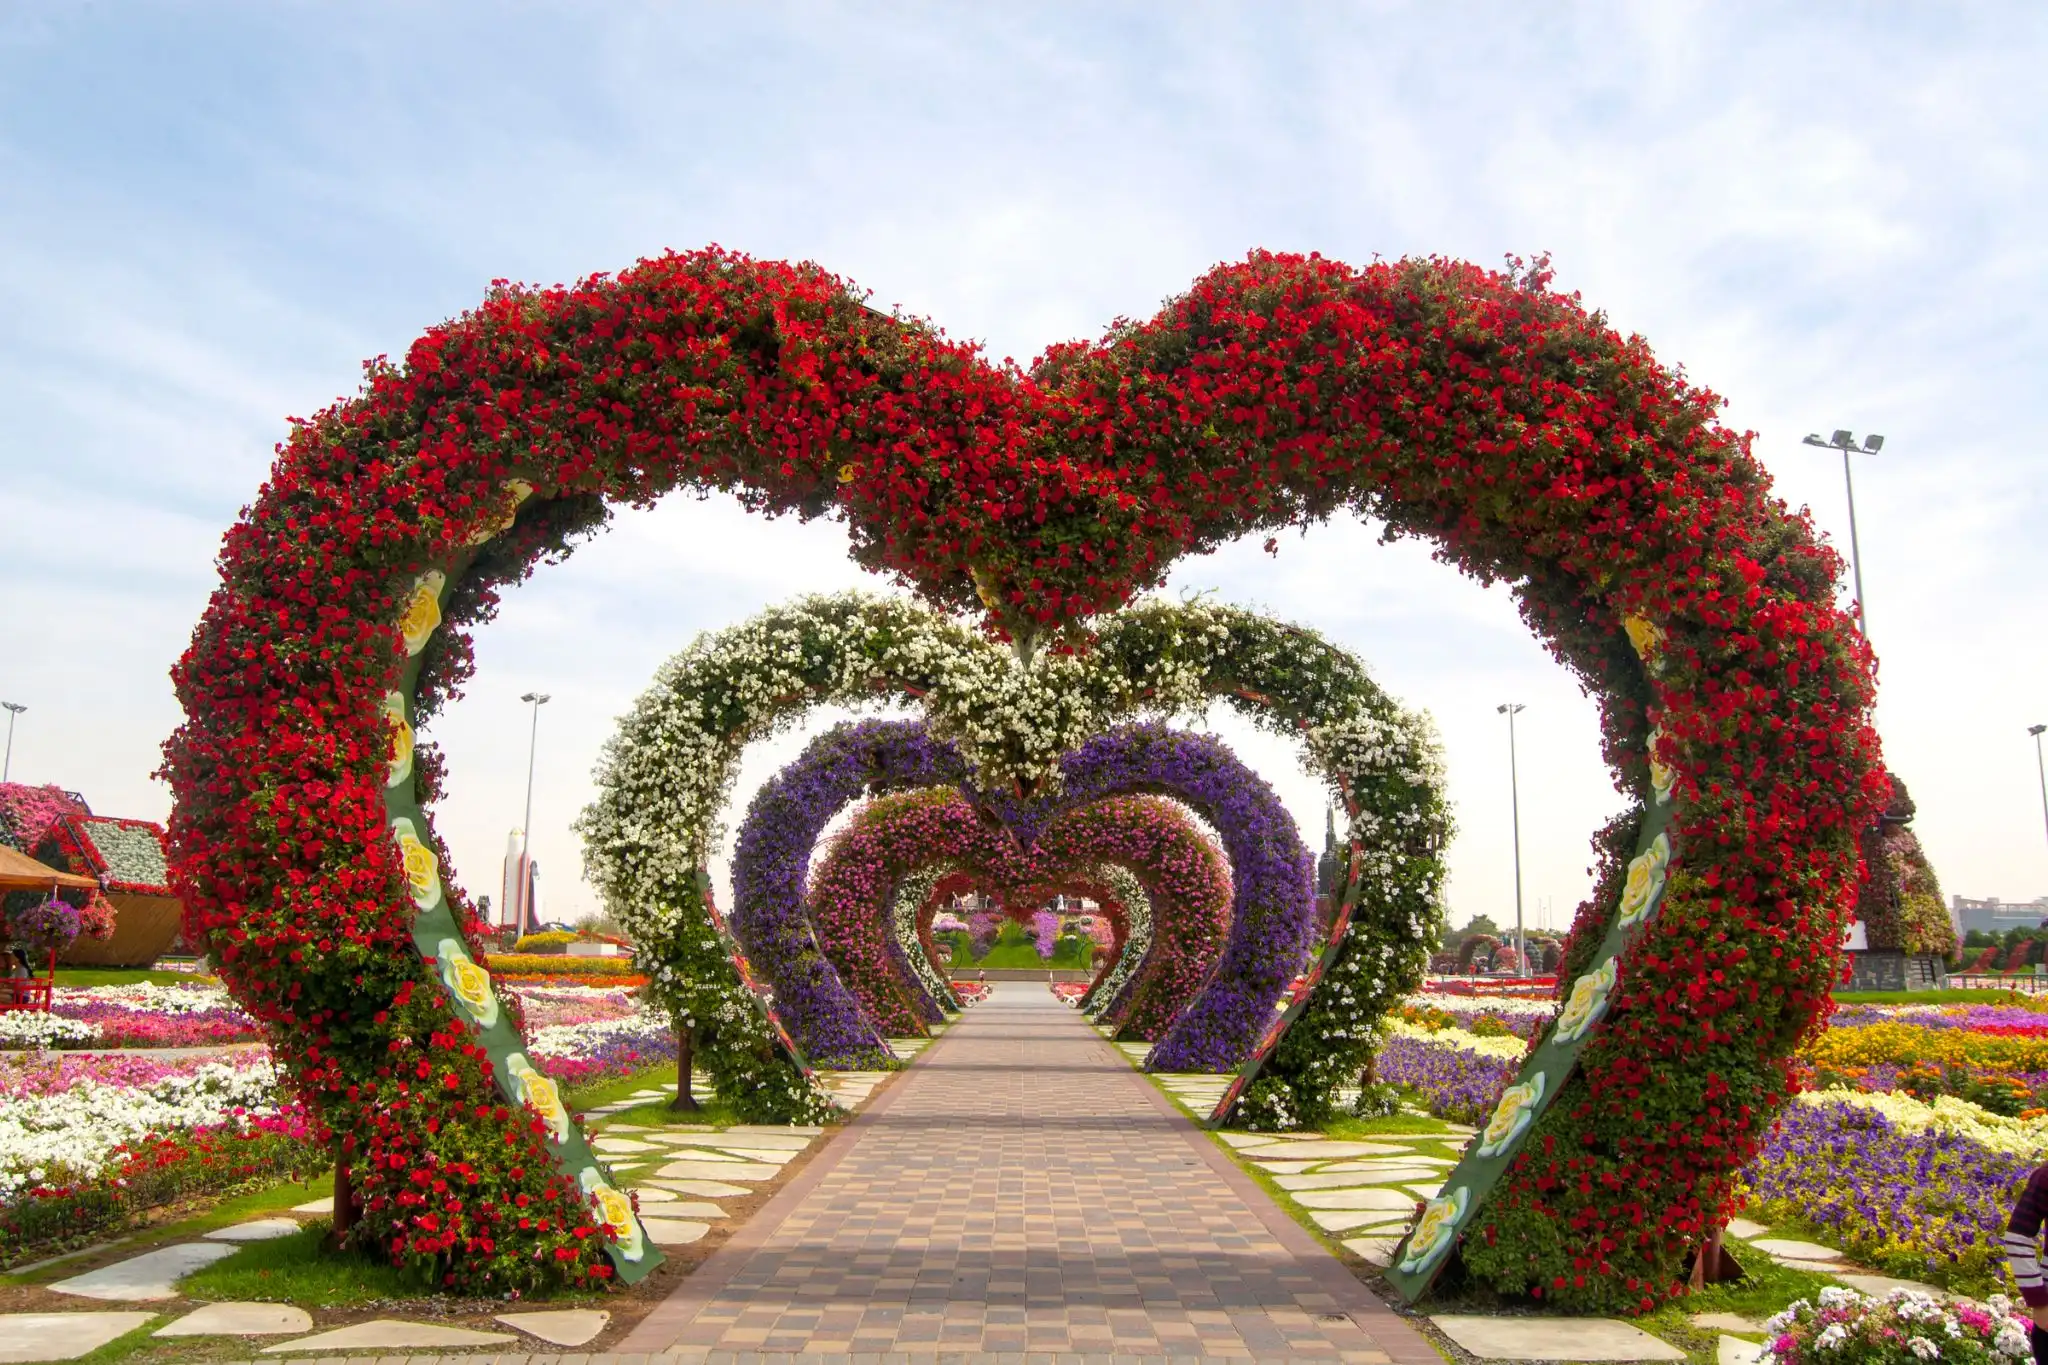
[(1998, 916)]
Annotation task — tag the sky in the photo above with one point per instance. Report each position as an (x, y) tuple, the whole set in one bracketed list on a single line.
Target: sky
[(1829, 214)]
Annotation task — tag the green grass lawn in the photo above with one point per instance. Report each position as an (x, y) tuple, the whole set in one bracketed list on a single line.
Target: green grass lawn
[(1958, 997), (126, 976), (298, 1269)]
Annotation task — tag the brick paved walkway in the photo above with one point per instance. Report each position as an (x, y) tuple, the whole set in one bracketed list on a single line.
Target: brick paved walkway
[(1021, 1190)]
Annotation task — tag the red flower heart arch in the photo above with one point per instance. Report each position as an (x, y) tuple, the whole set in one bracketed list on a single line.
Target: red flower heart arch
[(1515, 430)]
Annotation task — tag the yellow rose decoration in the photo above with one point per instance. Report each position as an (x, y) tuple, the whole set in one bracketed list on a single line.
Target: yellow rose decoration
[(1645, 882), (847, 473), (422, 611), (617, 1212), (1661, 774), (520, 490), (1512, 1116), (541, 1093), (1434, 1231), (467, 982), (422, 868), (1587, 1002), (1646, 635), (401, 739)]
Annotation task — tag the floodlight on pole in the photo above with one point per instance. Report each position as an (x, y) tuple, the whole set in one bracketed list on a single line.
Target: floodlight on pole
[(14, 708), (1844, 440), (1511, 710), (535, 700), (2042, 769)]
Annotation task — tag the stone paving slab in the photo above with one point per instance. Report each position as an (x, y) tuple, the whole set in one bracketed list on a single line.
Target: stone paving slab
[(261, 1230), (559, 1327), (152, 1275), (240, 1320), (392, 1334), (1021, 1192), (1527, 1337), (27, 1337)]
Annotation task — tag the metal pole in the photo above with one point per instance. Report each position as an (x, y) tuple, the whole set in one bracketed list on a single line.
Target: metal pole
[(1855, 550), (7, 765), (526, 827), (2035, 731), (1515, 805)]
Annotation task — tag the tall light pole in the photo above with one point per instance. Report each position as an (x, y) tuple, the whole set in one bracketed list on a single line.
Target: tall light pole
[(2039, 767), (14, 708), (1845, 442), (1511, 710), (536, 700)]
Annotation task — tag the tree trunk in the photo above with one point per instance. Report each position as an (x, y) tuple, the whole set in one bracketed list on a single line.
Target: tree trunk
[(684, 1102), (344, 1199)]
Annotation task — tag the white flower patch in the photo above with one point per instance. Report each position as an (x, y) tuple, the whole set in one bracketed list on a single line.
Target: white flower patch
[(33, 1028), (144, 998), (70, 1136)]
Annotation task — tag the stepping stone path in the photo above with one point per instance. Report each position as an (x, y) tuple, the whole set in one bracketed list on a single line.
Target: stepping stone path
[(262, 1230), (240, 1320), (26, 1337), (1801, 1254), (1824, 1260), (391, 1334), (1735, 1351), (152, 1275), (675, 1169), (852, 1088), (710, 1189), (1087, 1221), (1365, 1197), (673, 1232), (559, 1327), (1522, 1337), (1726, 1322)]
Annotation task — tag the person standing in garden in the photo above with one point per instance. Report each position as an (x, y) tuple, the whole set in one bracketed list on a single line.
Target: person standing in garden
[(2022, 1246)]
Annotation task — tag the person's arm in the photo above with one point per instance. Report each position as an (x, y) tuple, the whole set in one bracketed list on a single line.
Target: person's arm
[(2021, 1243)]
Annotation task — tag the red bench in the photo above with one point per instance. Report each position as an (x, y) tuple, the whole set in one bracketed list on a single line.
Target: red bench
[(31, 993)]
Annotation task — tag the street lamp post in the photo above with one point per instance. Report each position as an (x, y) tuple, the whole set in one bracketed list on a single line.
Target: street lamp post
[(1845, 442), (2039, 767), (536, 700), (14, 708), (1511, 710)]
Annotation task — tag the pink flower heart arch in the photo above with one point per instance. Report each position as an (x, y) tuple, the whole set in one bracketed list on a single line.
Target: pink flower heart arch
[(856, 873), (1502, 421)]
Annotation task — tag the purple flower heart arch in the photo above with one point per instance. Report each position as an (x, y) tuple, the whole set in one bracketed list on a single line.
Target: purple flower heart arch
[(852, 893), (1272, 912)]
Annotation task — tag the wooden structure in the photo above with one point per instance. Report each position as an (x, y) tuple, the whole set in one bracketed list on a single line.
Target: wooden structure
[(126, 858), (19, 872)]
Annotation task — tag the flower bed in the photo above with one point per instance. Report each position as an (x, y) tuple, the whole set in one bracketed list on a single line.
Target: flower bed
[(143, 1015), (1925, 1202), (1902, 1328), (525, 967), (86, 1143)]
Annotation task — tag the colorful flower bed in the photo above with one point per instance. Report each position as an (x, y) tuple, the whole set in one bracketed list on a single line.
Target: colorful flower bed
[(1902, 1328), (86, 1143), (144, 1015), (1910, 1154)]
